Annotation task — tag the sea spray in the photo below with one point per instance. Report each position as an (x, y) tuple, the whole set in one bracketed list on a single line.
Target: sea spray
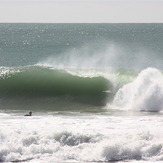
[(145, 93)]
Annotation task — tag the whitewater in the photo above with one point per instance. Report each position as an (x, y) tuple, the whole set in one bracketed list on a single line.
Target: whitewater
[(95, 92), (81, 138)]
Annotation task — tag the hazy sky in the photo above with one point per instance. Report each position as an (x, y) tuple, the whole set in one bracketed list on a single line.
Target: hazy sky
[(79, 11)]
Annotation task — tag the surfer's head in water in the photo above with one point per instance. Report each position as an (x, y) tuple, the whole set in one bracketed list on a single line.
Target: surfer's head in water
[(30, 114)]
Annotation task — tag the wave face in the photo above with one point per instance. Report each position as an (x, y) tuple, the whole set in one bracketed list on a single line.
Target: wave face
[(39, 85)]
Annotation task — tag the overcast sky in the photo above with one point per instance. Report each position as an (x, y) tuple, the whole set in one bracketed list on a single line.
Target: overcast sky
[(82, 11)]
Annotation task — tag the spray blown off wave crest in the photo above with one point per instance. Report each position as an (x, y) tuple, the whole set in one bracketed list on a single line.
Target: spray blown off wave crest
[(145, 93)]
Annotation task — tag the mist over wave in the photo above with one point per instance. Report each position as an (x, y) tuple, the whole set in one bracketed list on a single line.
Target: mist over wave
[(102, 54), (90, 56)]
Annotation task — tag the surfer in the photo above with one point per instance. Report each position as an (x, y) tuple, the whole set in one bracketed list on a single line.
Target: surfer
[(30, 114)]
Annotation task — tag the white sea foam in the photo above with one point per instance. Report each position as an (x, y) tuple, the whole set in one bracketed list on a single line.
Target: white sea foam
[(145, 93), (81, 138)]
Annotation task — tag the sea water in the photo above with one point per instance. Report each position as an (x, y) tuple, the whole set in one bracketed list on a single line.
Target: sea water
[(95, 92)]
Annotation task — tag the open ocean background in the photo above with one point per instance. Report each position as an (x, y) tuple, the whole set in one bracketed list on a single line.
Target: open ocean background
[(95, 90)]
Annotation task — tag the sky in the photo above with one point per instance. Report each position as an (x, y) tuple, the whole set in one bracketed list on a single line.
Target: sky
[(81, 11)]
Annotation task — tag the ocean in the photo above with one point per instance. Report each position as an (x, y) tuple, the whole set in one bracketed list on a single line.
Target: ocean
[(95, 92)]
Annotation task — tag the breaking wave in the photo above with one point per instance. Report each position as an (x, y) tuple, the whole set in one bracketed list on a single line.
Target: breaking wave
[(145, 93), (39, 87)]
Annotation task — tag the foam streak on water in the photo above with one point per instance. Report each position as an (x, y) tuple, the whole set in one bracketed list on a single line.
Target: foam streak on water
[(81, 138)]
